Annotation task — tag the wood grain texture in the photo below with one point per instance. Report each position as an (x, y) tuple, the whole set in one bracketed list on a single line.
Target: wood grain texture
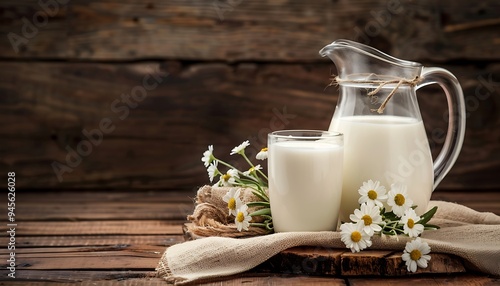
[(456, 279), (372, 262), (248, 30), (27, 276), (120, 251), (48, 110), (95, 240), (440, 263), (134, 227), (314, 261), (102, 211), (142, 257)]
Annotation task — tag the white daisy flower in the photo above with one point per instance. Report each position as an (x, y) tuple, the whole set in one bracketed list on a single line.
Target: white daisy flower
[(262, 155), (369, 217), (372, 193), (208, 156), (252, 170), (398, 199), (242, 219), (232, 198), (354, 237), (411, 227), (212, 170), (240, 148), (416, 254), (229, 178)]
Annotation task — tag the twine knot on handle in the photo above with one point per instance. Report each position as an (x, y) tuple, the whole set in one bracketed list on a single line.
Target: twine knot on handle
[(381, 83)]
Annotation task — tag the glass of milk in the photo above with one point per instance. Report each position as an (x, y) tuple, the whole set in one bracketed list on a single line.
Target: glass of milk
[(305, 179)]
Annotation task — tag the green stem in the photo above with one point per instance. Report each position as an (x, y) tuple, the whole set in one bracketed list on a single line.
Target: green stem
[(258, 224), (252, 165), (226, 164), (262, 194), (248, 180), (392, 226)]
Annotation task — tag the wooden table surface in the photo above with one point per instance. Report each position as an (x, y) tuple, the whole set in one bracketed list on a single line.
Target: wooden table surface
[(118, 237)]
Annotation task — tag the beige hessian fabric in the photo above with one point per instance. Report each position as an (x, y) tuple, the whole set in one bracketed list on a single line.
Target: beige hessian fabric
[(472, 235)]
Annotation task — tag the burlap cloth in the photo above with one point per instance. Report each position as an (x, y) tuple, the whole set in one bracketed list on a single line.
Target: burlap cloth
[(471, 235), (211, 215)]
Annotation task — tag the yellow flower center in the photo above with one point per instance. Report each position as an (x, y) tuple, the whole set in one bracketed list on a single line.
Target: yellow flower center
[(226, 177), (399, 199), (240, 217), (415, 254), (410, 223), (263, 149), (251, 170), (355, 236), (372, 195), (367, 219), (231, 204)]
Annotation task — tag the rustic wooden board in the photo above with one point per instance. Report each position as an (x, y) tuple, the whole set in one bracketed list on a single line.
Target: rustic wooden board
[(372, 262), (440, 263), (143, 257), (251, 30), (455, 279), (315, 261), (107, 196), (46, 106), (102, 210), (324, 261), (117, 249), (94, 240), (122, 279), (87, 262), (277, 279), (107, 227), (339, 262), (75, 276)]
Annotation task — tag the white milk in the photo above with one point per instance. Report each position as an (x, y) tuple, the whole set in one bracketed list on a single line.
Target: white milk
[(305, 185), (388, 149)]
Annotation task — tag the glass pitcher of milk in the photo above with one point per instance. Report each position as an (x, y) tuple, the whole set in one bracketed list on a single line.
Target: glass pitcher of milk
[(384, 137)]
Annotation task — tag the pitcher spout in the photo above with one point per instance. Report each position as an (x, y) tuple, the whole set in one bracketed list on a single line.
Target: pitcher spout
[(355, 60)]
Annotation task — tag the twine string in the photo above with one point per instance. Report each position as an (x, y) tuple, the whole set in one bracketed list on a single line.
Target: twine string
[(381, 83)]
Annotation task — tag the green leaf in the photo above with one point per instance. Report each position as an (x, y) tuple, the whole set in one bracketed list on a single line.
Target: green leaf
[(247, 182), (258, 224), (391, 216), (382, 211), (258, 204), (266, 211), (427, 216), (261, 196), (431, 227), (267, 217)]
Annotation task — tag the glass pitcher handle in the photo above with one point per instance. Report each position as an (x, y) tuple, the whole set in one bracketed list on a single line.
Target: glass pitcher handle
[(456, 124)]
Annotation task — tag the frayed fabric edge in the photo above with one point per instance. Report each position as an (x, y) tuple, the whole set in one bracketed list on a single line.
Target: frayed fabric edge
[(163, 271)]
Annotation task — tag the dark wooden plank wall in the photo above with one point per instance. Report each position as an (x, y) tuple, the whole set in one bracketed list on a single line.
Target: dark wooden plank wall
[(217, 72)]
